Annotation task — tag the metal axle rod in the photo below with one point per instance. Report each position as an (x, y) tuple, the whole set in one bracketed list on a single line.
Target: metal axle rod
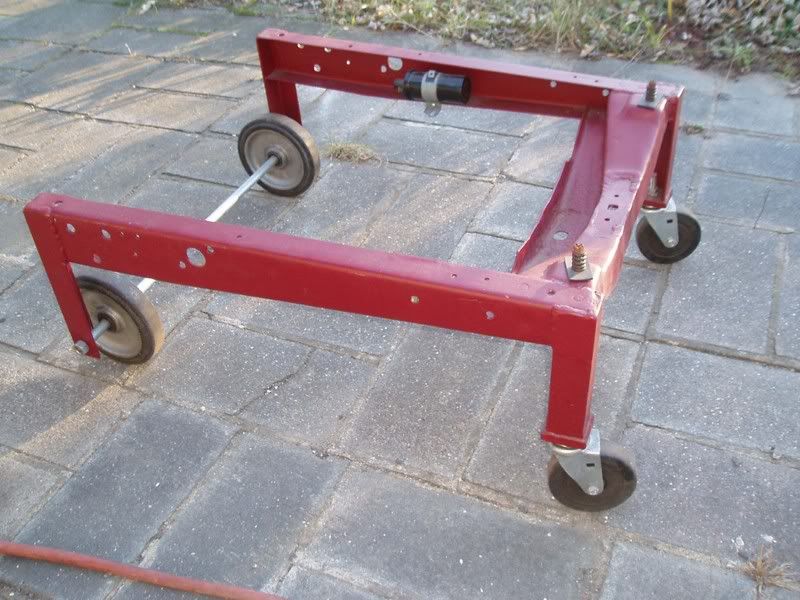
[(145, 284)]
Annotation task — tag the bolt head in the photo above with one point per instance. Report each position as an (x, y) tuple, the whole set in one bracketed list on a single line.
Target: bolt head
[(593, 490)]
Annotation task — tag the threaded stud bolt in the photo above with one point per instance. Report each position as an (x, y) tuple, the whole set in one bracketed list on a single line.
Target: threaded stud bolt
[(579, 258), (650, 93)]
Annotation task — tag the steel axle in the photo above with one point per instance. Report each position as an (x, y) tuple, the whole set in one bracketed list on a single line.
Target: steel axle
[(103, 325)]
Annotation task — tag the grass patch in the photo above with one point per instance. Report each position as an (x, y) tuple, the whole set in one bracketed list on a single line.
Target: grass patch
[(736, 35), (350, 152), (766, 571), (693, 129)]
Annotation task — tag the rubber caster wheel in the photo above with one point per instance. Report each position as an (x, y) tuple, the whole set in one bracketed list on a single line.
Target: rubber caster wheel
[(654, 250), (619, 481), (135, 332), (285, 138)]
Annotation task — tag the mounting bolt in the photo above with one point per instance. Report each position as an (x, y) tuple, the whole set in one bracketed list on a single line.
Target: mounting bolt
[(650, 93), (81, 347), (578, 258), (593, 490)]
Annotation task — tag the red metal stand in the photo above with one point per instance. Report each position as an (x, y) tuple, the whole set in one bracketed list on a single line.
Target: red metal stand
[(623, 145)]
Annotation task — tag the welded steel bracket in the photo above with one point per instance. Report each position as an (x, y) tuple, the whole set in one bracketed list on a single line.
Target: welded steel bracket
[(583, 466), (664, 222)]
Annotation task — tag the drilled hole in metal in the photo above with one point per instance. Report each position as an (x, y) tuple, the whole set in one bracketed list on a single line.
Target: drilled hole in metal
[(209, 249), (327, 50), (489, 315), (196, 257), (317, 68), (383, 68), (105, 234), (613, 207), (96, 259), (560, 235), (414, 299), (70, 228), (181, 264), (551, 292), (300, 46)]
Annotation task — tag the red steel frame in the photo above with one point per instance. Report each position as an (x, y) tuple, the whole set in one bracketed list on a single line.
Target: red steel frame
[(620, 147)]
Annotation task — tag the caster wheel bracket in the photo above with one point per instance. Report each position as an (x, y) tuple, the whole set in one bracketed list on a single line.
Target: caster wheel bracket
[(664, 222), (583, 466)]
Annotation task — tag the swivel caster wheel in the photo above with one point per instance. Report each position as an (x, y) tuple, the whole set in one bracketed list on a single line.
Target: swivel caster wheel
[(667, 235), (291, 143), (134, 332), (598, 479)]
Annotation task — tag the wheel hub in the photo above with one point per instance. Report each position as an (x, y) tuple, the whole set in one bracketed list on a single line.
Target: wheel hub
[(122, 337), (263, 143)]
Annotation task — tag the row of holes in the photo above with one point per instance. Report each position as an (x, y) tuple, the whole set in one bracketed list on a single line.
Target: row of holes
[(195, 257)]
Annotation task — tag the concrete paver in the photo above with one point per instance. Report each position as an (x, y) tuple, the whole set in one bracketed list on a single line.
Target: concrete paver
[(330, 455)]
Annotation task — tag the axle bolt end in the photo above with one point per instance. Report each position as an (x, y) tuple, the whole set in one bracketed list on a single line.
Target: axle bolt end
[(81, 347), (650, 93), (579, 258), (593, 490)]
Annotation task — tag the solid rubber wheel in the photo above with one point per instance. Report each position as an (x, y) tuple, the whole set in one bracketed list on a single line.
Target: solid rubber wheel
[(618, 476), (293, 145), (136, 332), (653, 250)]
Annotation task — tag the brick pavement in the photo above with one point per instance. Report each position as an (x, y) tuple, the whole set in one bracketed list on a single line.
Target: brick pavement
[(325, 455)]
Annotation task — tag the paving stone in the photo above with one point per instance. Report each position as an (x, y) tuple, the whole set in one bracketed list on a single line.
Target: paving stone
[(61, 23), (341, 117), (29, 316), (698, 303), (639, 573), (114, 174), (80, 81), (510, 457), (188, 368), (787, 340), (8, 158), (164, 109), (36, 397), (75, 146), (724, 399), (258, 500), (486, 252), (27, 127), (731, 196), (304, 584), (310, 405), (27, 56), (755, 86), (71, 440), (440, 147), (237, 47), (197, 199), (427, 400), (10, 271), (686, 163), (20, 7), (15, 240), (631, 302), (118, 500), (196, 20), (685, 75), (314, 325), (541, 157), (255, 107), (432, 544), (492, 121), (211, 159), (753, 156), (24, 487), (513, 211), (229, 80), (140, 42), (703, 498), (781, 209), (763, 114), (330, 210), (428, 217)]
